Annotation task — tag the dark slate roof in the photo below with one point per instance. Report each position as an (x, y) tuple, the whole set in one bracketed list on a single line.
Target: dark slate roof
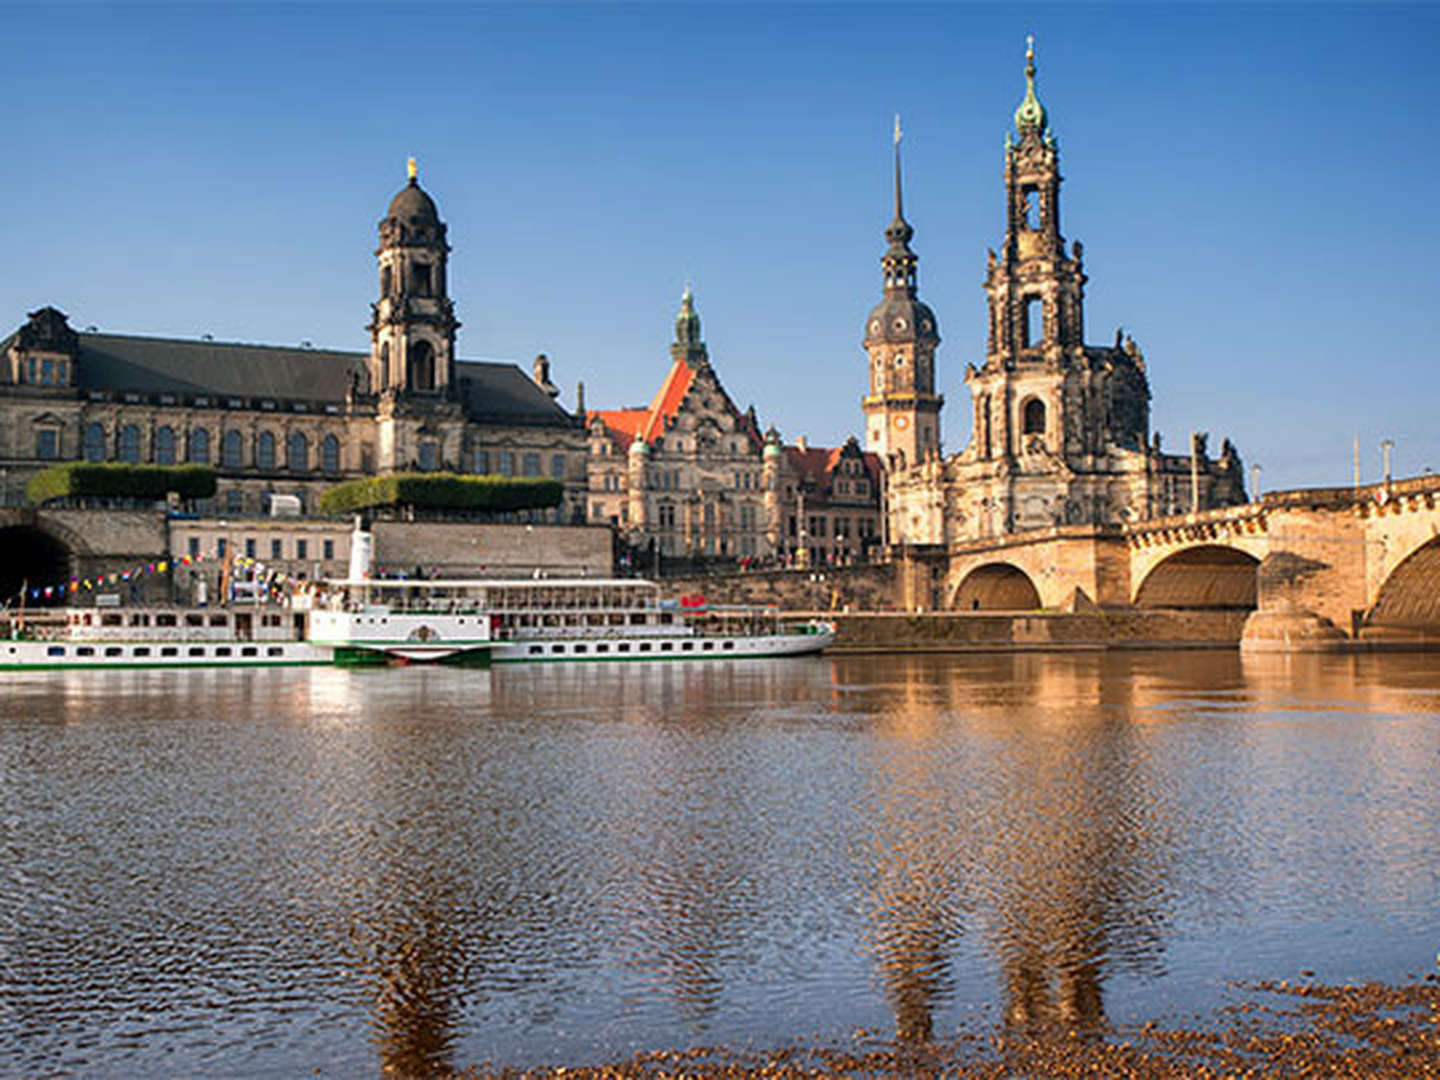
[(121, 362), (505, 393), (149, 365)]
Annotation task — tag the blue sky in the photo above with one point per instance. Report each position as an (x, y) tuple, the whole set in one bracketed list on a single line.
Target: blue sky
[(1254, 186)]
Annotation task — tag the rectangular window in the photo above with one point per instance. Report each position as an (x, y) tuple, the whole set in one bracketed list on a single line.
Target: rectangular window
[(169, 650), (557, 466), (302, 549), (531, 464), (250, 547), (194, 547), (480, 461), (47, 444), (221, 546), (329, 550), (275, 548)]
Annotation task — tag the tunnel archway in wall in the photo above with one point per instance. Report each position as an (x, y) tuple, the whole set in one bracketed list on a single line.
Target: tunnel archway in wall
[(1410, 597), (1211, 577), (997, 587), (31, 558)]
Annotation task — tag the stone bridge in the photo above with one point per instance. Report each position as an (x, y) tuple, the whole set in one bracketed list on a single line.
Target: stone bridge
[(54, 545), (1337, 562)]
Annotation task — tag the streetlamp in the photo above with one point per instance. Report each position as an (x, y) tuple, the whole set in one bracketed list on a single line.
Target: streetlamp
[(1254, 481), (1386, 445)]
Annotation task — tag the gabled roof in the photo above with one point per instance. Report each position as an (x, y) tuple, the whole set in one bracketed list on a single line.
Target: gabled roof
[(666, 403)]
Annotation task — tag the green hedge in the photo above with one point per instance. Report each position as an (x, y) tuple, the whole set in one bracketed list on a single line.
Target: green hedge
[(114, 480), (443, 491)]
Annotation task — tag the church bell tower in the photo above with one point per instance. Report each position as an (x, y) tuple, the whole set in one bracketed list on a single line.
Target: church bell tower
[(902, 410), (412, 325), (1036, 294)]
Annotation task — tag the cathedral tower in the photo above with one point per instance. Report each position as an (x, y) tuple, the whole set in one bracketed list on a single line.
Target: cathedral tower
[(412, 325), (902, 410), (1036, 295)]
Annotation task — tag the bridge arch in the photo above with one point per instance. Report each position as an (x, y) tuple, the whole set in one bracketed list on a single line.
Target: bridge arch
[(1207, 576), (33, 556), (996, 587), (1409, 598)]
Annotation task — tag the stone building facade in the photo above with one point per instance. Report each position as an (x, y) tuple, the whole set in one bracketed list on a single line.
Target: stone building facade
[(690, 475), (279, 421), (1061, 429)]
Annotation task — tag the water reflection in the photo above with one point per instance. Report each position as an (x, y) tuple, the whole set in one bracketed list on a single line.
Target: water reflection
[(441, 868)]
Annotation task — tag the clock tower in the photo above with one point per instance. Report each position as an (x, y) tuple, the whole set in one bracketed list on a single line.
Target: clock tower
[(902, 410)]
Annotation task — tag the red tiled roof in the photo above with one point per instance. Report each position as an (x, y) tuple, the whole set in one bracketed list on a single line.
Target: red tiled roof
[(647, 424)]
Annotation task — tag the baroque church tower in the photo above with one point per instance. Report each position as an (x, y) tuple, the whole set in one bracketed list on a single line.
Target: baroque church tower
[(412, 326), (902, 410), (1060, 430)]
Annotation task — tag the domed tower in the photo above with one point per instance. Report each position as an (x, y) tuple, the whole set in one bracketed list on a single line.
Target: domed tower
[(688, 346), (902, 410), (412, 325)]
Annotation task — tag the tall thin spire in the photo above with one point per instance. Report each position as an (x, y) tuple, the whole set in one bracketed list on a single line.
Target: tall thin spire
[(899, 206), (412, 171)]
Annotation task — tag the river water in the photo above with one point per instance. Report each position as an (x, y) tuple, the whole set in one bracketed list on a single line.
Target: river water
[(290, 871)]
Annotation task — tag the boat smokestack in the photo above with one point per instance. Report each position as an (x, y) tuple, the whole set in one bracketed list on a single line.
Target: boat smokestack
[(362, 551)]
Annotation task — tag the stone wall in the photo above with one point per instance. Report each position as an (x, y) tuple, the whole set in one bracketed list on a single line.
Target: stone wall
[(446, 549), (852, 588), (1093, 630)]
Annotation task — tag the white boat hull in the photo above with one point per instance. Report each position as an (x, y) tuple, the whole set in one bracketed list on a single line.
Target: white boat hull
[(58, 655), (660, 647)]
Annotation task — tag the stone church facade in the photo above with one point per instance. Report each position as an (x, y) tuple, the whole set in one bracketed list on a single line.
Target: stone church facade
[(690, 475), (1061, 429), (279, 421)]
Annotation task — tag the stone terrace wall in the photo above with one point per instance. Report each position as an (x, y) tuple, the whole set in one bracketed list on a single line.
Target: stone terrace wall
[(984, 631), (852, 588)]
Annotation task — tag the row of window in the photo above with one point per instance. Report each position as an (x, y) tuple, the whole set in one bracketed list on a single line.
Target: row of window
[(165, 448), (300, 548), (141, 652), (581, 649)]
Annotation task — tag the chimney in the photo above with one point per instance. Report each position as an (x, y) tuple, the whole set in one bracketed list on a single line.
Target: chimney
[(802, 443)]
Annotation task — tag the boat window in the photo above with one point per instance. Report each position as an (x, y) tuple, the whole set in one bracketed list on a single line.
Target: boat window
[(666, 618), (624, 647), (138, 620), (728, 645), (142, 650), (644, 646), (274, 650), (602, 648), (164, 620), (688, 646), (637, 620), (249, 650), (112, 620), (55, 650), (85, 650), (709, 646), (580, 648), (667, 647), (217, 620), (113, 650), (169, 650), (536, 649), (196, 650), (557, 648), (223, 650), (194, 620)]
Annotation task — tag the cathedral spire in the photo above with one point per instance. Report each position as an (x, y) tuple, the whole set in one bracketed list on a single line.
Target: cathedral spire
[(1030, 116)]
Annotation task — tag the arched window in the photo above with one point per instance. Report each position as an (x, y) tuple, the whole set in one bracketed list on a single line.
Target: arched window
[(384, 367), (330, 454), (297, 452), (1034, 320), (1034, 419), (265, 451), (164, 445), (94, 442), (232, 450), (130, 444), (1032, 209), (385, 281), (422, 367), (200, 447)]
